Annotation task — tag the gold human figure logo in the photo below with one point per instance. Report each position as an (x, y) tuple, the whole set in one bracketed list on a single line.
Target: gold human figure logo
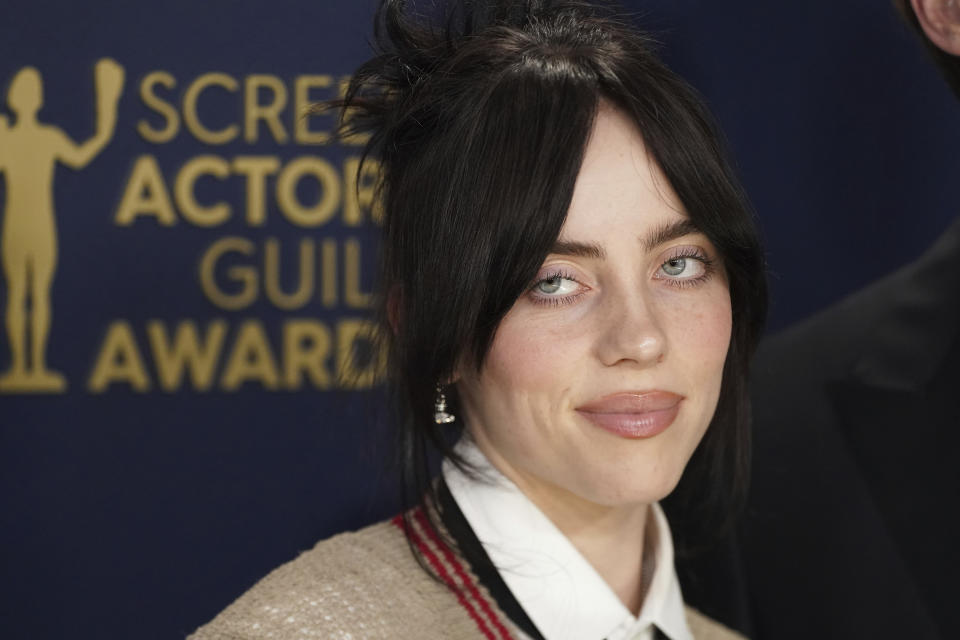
[(29, 151)]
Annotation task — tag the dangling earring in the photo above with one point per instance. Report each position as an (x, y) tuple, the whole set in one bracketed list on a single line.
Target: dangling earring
[(440, 415)]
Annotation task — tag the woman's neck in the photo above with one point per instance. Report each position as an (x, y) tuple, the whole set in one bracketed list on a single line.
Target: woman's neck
[(612, 539)]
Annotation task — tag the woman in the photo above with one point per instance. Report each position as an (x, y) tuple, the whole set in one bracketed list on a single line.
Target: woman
[(572, 283)]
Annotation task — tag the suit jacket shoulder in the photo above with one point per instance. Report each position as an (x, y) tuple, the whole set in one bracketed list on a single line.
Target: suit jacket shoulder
[(896, 329)]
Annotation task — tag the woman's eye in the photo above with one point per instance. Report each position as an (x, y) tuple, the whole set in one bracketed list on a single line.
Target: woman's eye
[(556, 286), (683, 267)]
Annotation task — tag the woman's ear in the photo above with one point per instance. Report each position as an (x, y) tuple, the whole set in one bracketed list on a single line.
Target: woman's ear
[(940, 20), (457, 374)]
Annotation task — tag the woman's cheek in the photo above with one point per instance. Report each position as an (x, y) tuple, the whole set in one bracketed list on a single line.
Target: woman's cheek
[(530, 351), (714, 337), (713, 324), (700, 325)]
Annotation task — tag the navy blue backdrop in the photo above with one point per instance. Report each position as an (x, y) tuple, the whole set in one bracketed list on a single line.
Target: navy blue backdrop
[(213, 270)]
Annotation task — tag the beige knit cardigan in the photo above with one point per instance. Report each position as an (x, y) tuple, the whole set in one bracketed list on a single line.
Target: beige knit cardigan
[(367, 584)]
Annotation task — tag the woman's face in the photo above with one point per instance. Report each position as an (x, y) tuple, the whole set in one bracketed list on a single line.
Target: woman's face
[(602, 378)]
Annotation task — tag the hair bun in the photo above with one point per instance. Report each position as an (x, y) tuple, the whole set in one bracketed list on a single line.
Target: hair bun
[(414, 45)]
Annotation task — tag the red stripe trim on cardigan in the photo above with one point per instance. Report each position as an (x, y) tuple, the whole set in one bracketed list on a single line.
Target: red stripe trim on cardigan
[(444, 575), (461, 573)]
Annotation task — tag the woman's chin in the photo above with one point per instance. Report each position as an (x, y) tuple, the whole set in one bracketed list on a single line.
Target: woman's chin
[(633, 489)]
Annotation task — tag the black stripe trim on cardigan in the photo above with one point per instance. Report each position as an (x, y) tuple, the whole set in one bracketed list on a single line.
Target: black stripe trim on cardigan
[(471, 549)]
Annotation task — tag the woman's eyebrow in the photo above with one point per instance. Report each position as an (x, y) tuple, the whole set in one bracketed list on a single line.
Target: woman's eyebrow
[(667, 232), (660, 235), (579, 249)]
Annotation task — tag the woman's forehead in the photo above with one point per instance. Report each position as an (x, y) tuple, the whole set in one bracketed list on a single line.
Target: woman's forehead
[(620, 189)]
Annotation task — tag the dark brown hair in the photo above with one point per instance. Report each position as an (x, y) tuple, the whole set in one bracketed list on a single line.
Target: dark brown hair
[(479, 116)]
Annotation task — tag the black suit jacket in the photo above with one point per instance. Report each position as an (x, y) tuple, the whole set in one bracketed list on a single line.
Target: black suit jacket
[(851, 529)]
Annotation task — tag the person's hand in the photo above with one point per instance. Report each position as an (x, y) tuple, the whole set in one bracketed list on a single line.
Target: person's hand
[(108, 76)]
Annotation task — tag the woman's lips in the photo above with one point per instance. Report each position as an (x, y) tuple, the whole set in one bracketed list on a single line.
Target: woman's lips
[(633, 414)]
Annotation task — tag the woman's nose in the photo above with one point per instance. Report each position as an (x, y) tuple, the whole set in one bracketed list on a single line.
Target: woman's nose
[(631, 334)]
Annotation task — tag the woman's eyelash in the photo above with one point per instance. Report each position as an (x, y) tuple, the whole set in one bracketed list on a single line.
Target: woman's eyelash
[(690, 253), (553, 276), (544, 299)]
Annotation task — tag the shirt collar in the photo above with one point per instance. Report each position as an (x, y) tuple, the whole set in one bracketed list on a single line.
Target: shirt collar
[(559, 590)]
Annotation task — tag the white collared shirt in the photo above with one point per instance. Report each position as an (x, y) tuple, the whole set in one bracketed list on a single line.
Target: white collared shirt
[(560, 591)]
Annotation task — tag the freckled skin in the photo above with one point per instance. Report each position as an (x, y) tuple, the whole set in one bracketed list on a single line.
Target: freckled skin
[(628, 328)]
